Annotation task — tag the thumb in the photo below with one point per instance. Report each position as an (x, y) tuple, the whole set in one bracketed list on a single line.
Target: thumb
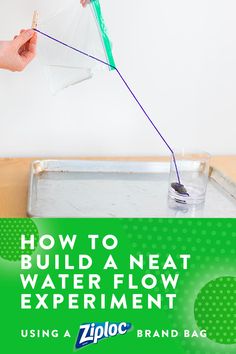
[(23, 38)]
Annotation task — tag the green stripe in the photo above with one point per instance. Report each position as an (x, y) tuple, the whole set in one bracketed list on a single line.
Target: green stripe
[(103, 30)]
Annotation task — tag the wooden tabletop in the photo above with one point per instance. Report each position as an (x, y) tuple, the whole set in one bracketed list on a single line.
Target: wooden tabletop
[(14, 178)]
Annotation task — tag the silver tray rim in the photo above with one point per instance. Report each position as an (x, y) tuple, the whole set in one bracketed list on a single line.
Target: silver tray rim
[(39, 167)]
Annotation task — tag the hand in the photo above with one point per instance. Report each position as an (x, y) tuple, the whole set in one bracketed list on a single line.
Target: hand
[(84, 3), (15, 55)]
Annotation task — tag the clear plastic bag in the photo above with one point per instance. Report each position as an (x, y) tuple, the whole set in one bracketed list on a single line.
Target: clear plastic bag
[(79, 27)]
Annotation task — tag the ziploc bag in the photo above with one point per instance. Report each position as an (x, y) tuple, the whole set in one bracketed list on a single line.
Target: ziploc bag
[(82, 28)]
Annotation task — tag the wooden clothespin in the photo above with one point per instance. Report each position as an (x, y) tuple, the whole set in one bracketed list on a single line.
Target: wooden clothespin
[(35, 19)]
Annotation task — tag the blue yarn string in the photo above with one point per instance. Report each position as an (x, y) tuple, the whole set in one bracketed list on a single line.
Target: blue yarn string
[(127, 86)]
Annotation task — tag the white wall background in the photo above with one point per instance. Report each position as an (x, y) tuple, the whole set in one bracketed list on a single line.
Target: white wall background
[(178, 55)]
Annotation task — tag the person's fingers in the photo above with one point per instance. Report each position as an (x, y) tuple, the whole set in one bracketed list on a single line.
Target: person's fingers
[(21, 31), (32, 46), (23, 38), (28, 54), (84, 2), (34, 39), (25, 46)]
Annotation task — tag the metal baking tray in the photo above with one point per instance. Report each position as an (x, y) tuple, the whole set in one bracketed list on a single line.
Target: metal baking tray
[(78, 188)]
